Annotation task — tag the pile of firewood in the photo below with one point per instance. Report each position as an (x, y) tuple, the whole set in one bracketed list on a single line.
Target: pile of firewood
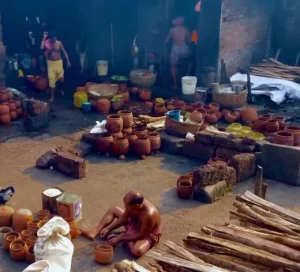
[(268, 240), (275, 69)]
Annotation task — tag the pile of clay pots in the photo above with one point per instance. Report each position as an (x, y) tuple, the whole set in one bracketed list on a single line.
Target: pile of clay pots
[(122, 139), (10, 109)]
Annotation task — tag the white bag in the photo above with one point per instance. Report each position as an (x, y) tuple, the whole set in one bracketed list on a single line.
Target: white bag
[(40, 266), (53, 246)]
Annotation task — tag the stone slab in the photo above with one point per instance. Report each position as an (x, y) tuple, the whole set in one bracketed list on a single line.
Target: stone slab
[(205, 137), (83, 149), (233, 143), (171, 144), (226, 153), (199, 151), (244, 165)]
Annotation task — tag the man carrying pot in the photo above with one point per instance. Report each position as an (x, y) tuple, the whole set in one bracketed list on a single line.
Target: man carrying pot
[(141, 220)]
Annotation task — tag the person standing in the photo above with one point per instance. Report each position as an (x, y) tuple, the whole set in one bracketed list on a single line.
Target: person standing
[(53, 49)]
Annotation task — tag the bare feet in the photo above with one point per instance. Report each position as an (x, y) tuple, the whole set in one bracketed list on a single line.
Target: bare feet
[(88, 232)]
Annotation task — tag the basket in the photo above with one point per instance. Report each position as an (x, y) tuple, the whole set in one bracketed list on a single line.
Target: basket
[(98, 91), (179, 129), (143, 81)]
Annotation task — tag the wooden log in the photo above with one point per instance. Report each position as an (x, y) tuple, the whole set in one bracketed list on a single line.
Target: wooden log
[(258, 182), (245, 218), (258, 256)]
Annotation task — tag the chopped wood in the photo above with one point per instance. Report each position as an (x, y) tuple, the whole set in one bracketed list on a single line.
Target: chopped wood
[(128, 266)]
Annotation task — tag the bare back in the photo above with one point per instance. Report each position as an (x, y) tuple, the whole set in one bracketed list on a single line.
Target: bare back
[(179, 35)]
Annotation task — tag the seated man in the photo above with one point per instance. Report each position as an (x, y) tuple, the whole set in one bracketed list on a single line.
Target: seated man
[(141, 220)]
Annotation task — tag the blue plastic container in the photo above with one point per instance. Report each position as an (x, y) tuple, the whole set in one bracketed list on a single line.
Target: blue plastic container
[(86, 106), (174, 114)]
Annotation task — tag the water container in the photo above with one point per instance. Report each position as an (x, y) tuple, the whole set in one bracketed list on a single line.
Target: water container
[(189, 85), (79, 98), (102, 67), (86, 106), (174, 114)]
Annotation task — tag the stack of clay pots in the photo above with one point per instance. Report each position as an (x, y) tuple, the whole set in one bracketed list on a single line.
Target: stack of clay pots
[(10, 109)]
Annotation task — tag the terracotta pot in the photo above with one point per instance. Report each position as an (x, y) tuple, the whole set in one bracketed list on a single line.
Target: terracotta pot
[(42, 214), (225, 111), (21, 218), (207, 109), (139, 132), (5, 119), (26, 234), (117, 135), (249, 114), (19, 112), (284, 138), (215, 107), (81, 89), (33, 226), (18, 104), (272, 126), (237, 114), (179, 105), (13, 115), (127, 117), (142, 146), (104, 254), (120, 146), (160, 110), (114, 123), (260, 125), (149, 104), (185, 189), (267, 117), (116, 105), (211, 118), (281, 121), (31, 241), (127, 130), (74, 230), (134, 90), (196, 116), (41, 83), (126, 96), (202, 111), (230, 117), (145, 95), (219, 115), (186, 178), (296, 133), (3, 232), (3, 96), (155, 141), (30, 255), (104, 143), (131, 137), (171, 107), (4, 109), (189, 108), (18, 249), (9, 238), (6, 214), (10, 95), (103, 105)]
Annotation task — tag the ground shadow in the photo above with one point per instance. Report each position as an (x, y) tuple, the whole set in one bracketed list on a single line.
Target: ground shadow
[(8, 265)]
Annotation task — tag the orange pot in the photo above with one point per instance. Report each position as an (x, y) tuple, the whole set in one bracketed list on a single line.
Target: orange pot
[(33, 225), (4, 109), (9, 238), (21, 218), (284, 138), (26, 234), (6, 214), (3, 96), (155, 141), (74, 231), (185, 189), (104, 254), (10, 95), (104, 143), (142, 146), (127, 130), (296, 133), (211, 118), (103, 105), (120, 146), (131, 139), (114, 123), (13, 115), (31, 241), (42, 214), (30, 255), (215, 107), (12, 105), (18, 249), (145, 95), (160, 109), (127, 117)]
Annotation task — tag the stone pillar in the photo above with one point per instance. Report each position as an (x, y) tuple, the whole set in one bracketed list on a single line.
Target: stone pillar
[(2, 59)]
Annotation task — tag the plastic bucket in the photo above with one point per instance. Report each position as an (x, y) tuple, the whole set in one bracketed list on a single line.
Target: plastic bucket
[(189, 85), (102, 67), (174, 114)]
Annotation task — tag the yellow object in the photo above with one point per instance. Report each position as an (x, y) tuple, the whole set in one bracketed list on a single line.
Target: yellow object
[(55, 72), (234, 127), (79, 98), (258, 136), (20, 73), (159, 101)]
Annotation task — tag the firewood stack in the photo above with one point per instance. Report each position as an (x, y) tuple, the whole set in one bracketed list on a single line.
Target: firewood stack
[(267, 240)]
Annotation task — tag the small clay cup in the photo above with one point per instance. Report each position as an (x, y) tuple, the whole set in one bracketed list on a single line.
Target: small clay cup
[(185, 189)]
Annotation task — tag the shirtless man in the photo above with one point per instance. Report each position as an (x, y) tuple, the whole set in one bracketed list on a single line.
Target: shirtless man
[(180, 37), (141, 220), (53, 49)]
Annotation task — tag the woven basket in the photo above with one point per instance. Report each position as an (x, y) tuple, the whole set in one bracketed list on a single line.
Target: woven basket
[(142, 81), (98, 91), (180, 129)]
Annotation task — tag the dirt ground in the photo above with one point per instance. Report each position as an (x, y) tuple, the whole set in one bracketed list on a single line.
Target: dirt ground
[(107, 181)]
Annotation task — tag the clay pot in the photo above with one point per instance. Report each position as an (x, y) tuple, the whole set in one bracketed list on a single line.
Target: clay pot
[(296, 133), (139, 132), (30, 255), (207, 109), (225, 111), (134, 90), (18, 104), (160, 110), (114, 123), (171, 107), (237, 114), (104, 143), (249, 115), (116, 105), (120, 146), (127, 117), (3, 232), (26, 234), (185, 189), (126, 96), (202, 111), (211, 118), (196, 116), (142, 146), (13, 115), (31, 241), (41, 83), (127, 130), (230, 117), (33, 226), (281, 122), (6, 214), (10, 95), (272, 126), (179, 105), (21, 218), (4, 109), (3, 96), (260, 125), (219, 115), (117, 135), (74, 230), (145, 95), (131, 137), (215, 107), (18, 249), (9, 238), (103, 105), (186, 178), (42, 214), (5, 119), (19, 112), (104, 254), (155, 141), (149, 104), (267, 117), (284, 138)]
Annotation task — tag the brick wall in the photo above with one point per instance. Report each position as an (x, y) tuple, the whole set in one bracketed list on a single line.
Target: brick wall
[(244, 32)]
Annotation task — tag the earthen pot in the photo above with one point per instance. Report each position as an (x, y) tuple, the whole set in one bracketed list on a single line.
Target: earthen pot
[(249, 114), (9, 238), (189, 108), (145, 95), (237, 114), (127, 117), (5, 119), (155, 141), (196, 116), (33, 226), (281, 122), (170, 107), (272, 126), (18, 104), (134, 90), (114, 123), (284, 138), (296, 133), (186, 178), (104, 254), (6, 214), (3, 96), (140, 132), (127, 130), (18, 249), (4, 109), (131, 137), (211, 118), (26, 234), (120, 146), (41, 83), (179, 105), (103, 105), (30, 255), (116, 105), (225, 111), (3, 232), (19, 112), (215, 107), (12, 105), (185, 189), (230, 117), (149, 104), (74, 230), (260, 125), (42, 214), (142, 146), (219, 115), (10, 95), (267, 117), (202, 111), (160, 110), (117, 135), (21, 218), (207, 108), (31, 241), (104, 143), (13, 115)]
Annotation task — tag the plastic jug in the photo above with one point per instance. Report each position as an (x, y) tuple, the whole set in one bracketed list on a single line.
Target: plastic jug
[(79, 98)]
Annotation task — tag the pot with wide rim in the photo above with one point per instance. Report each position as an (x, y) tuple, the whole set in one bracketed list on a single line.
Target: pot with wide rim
[(42, 214), (186, 178), (131, 137), (6, 214), (120, 146), (211, 118), (185, 189), (230, 117), (33, 225), (31, 241), (267, 117), (281, 121), (104, 254), (215, 107), (140, 132), (296, 133), (9, 238), (260, 124), (30, 255), (26, 234), (18, 249), (104, 143), (284, 138), (114, 123), (272, 126), (142, 146), (127, 117), (155, 141)]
